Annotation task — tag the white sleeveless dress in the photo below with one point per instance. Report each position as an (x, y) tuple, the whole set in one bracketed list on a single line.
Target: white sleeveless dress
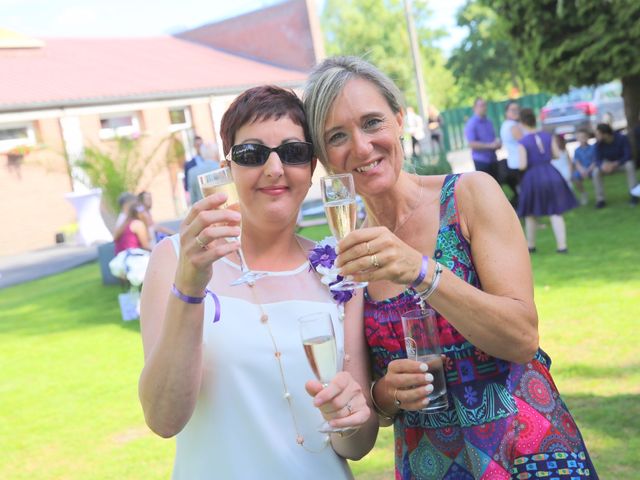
[(242, 427)]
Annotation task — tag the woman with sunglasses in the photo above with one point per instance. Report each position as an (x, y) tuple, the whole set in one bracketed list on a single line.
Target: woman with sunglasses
[(455, 242), (225, 369)]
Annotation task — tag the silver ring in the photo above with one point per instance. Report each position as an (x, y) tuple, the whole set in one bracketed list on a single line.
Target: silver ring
[(368, 248), (349, 408), (374, 261), (200, 243), (395, 398)]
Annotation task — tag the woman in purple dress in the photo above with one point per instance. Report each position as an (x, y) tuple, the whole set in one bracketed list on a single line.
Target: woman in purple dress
[(455, 242), (543, 191)]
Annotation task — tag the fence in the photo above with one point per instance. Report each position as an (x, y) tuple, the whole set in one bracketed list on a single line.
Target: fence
[(453, 120)]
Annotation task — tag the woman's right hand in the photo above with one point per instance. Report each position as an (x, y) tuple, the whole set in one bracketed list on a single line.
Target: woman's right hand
[(408, 382), (202, 242)]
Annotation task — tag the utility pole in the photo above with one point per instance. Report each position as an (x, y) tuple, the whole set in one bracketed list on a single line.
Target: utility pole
[(417, 63)]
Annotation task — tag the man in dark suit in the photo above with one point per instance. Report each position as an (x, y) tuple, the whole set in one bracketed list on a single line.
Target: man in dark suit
[(196, 160)]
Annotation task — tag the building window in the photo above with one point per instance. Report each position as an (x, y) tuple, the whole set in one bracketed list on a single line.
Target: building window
[(180, 118), (118, 125), (15, 135)]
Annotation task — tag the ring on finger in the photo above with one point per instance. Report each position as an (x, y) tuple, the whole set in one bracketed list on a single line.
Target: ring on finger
[(368, 248), (200, 243), (374, 261), (349, 408), (396, 400)]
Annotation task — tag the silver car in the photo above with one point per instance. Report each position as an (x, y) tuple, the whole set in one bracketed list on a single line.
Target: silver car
[(584, 107)]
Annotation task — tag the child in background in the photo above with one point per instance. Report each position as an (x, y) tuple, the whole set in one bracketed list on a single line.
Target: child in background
[(563, 161), (583, 164)]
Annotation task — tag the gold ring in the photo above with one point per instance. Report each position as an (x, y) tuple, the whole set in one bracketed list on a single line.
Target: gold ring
[(395, 398), (374, 261), (200, 243), (368, 248)]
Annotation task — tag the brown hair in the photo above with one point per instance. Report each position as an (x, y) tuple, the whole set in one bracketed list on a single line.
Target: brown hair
[(259, 104), (528, 117)]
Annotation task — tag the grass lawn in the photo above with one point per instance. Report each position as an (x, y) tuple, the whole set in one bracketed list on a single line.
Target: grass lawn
[(69, 365)]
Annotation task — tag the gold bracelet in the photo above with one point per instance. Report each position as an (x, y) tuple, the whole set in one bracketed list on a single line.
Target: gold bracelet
[(377, 409), (351, 433)]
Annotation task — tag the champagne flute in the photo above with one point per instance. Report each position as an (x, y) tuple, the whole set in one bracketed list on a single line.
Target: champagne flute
[(319, 342), (339, 198), (220, 180)]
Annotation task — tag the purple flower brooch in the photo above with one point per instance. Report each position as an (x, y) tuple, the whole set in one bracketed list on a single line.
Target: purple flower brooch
[(322, 258)]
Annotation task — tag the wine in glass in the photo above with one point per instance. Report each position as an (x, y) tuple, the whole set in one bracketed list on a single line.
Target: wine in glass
[(319, 342), (341, 209), (220, 180)]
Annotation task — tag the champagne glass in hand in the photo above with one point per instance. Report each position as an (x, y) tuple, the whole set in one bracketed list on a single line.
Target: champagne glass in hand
[(220, 180), (339, 198), (319, 341)]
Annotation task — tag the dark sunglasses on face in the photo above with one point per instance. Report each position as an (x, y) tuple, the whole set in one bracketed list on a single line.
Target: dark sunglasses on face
[(256, 154)]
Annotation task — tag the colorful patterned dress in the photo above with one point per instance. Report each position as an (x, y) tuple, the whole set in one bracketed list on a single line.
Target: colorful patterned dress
[(505, 420)]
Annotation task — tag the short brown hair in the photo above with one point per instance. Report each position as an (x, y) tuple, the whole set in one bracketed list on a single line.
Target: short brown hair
[(259, 104), (528, 117)]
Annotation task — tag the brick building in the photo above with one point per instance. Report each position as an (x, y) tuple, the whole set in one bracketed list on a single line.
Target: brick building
[(59, 95)]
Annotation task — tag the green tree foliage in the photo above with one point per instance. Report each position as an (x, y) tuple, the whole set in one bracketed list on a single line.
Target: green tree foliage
[(120, 167), (485, 63), (377, 31), (577, 42)]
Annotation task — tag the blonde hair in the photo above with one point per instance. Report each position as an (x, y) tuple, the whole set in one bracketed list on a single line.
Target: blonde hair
[(325, 83)]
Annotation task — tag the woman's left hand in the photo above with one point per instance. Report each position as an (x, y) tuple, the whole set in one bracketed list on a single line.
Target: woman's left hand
[(342, 402), (375, 253)]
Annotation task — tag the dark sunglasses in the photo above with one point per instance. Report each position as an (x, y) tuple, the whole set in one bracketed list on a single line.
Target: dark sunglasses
[(256, 155)]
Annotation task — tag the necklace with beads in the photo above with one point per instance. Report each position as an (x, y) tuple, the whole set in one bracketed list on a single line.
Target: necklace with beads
[(264, 320)]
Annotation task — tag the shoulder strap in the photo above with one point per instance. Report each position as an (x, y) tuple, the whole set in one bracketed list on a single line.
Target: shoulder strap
[(448, 210)]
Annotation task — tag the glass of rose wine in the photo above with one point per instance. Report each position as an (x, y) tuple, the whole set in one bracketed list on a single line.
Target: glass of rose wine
[(220, 180), (319, 342), (341, 209)]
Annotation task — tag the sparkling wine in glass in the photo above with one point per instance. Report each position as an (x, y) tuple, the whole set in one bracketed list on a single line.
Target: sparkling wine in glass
[(319, 342), (341, 209), (220, 180)]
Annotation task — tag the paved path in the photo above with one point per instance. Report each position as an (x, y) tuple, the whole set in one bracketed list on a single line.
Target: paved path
[(16, 269)]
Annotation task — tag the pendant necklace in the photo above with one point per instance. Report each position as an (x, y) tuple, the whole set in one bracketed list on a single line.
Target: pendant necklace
[(264, 320)]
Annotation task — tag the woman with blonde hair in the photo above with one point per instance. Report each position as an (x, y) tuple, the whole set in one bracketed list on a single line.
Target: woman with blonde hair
[(455, 242)]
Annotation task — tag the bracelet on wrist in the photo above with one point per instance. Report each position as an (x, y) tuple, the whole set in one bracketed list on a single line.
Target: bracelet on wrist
[(381, 413), (187, 298), (423, 272), (348, 433), (435, 280), (197, 300)]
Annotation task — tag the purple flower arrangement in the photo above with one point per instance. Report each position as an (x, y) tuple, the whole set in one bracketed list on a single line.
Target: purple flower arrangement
[(322, 258)]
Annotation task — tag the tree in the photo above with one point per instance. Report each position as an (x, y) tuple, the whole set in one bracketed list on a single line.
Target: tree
[(376, 30), (577, 42), (485, 63), (121, 167)]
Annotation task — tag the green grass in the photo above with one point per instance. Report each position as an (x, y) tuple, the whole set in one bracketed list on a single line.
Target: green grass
[(69, 365)]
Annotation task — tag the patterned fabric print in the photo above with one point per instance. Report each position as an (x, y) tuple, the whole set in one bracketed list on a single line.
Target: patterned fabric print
[(553, 466), (498, 411)]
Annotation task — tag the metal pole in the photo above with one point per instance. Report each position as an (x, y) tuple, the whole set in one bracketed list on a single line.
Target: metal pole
[(417, 64)]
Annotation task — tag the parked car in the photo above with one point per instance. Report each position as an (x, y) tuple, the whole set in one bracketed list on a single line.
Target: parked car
[(584, 107)]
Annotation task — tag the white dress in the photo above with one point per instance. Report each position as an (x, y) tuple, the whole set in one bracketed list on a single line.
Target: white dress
[(242, 426), (510, 144)]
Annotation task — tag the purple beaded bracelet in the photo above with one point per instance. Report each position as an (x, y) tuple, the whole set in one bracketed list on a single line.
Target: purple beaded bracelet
[(423, 272), (197, 300)]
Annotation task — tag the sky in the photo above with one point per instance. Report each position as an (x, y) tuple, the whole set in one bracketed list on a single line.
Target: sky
[(126, 18)]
